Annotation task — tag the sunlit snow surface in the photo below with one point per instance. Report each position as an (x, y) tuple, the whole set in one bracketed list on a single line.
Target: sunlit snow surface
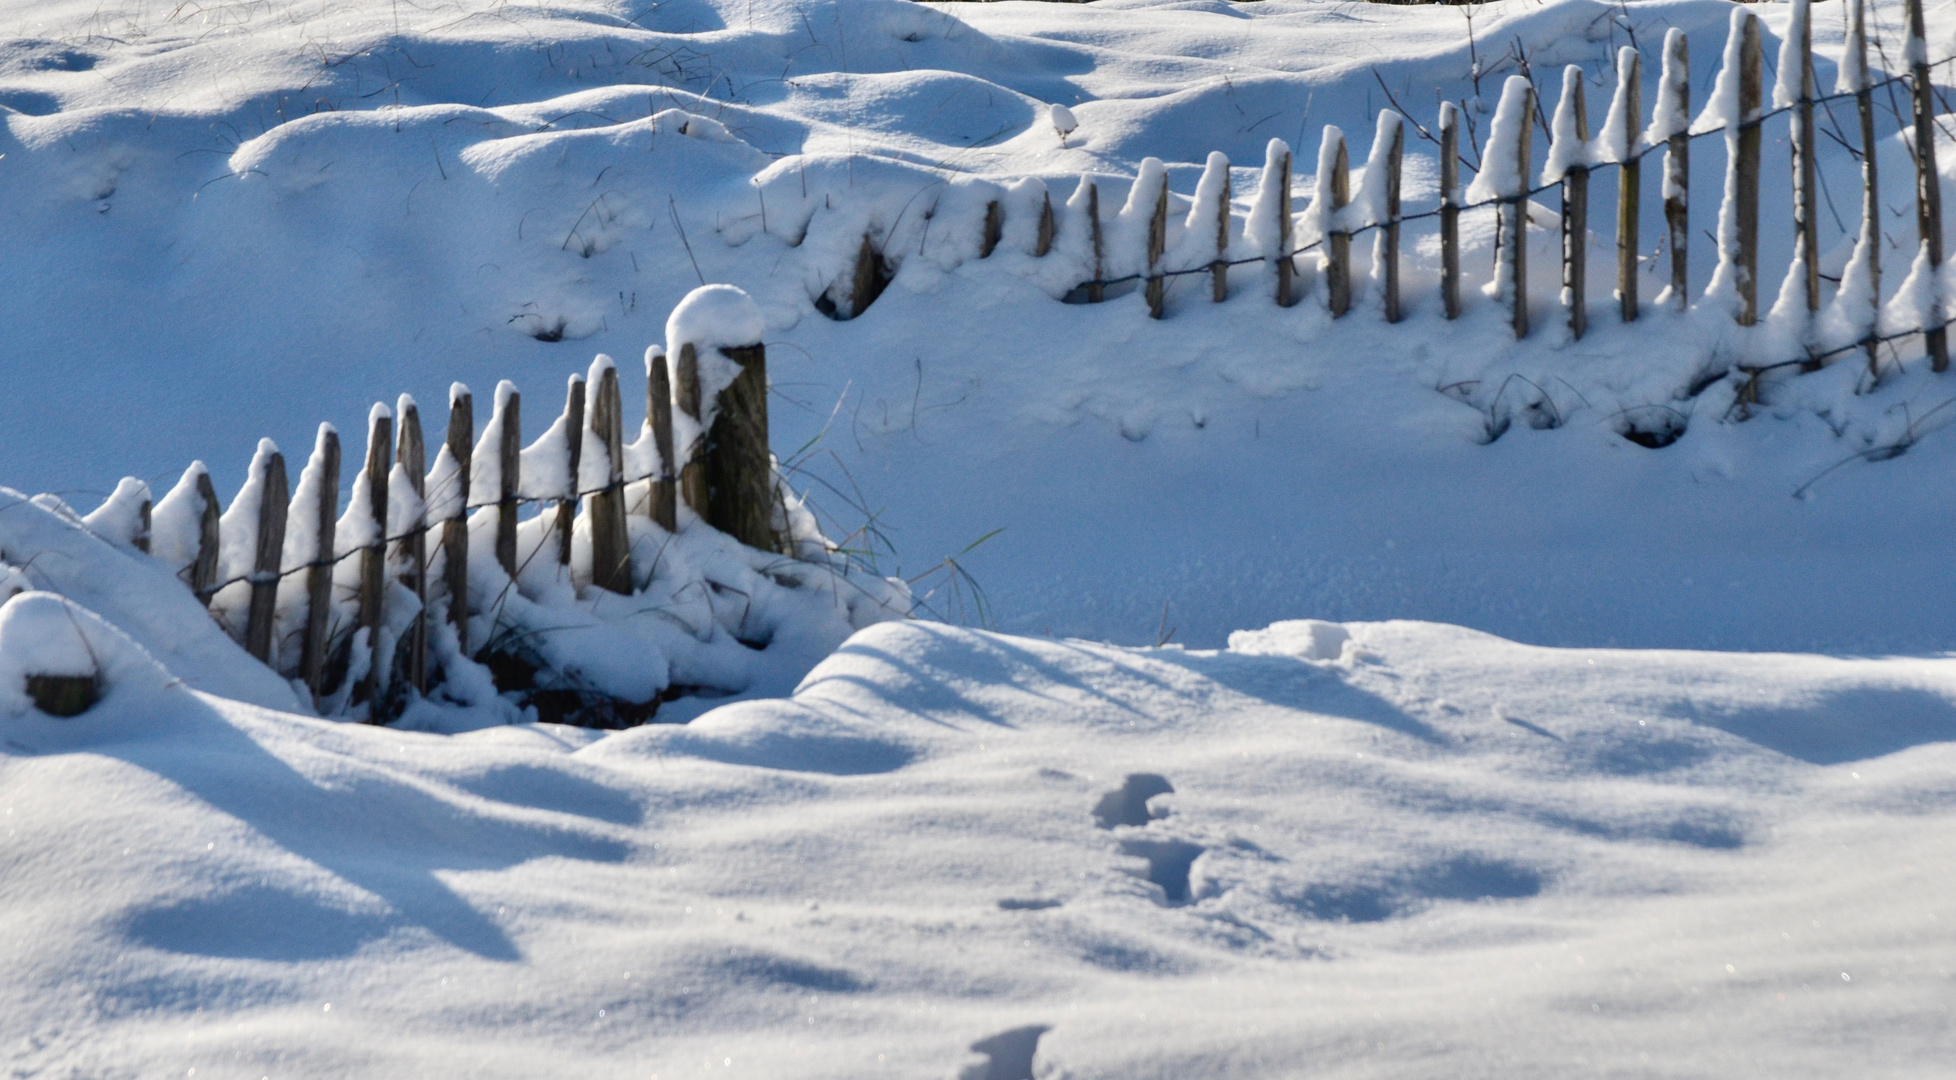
[(1433, 853)]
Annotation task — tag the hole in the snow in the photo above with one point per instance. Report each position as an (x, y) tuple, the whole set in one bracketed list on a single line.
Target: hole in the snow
[(1169, 862), (1009, 1053), (1652, 426), (1128, 804)]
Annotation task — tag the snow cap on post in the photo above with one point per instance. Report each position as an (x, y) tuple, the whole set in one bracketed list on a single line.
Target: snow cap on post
[(1674, 88), (1613, 145), (711, 318), (1789, 87), (1501, 176), (1567, 148), (1063, 122), (1852, 75), (1722, 110)]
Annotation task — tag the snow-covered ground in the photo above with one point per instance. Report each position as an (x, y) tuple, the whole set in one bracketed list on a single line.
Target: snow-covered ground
[(1390, 849)]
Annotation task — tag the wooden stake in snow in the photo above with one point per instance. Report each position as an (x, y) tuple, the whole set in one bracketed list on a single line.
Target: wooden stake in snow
[(1157, 247), (373, 558), (611, 556), (1276, 181), (1218, 165), (739, 467), (1671, 123), (1450, 209), (509, 473), (1928, 185), (1795, 88), (1744, 184), (1043, 243), (686, 395), (1854, 80), (273, 502), (866, 279), (661, 499), (1385, 254), (1096, 290), (140, 541), (1503, 179), (574, 451), (203, 572), (1334, 191), (412, 453), (994, 228), (319, 576), (1568, 162), (455, 531), (1626, 137)]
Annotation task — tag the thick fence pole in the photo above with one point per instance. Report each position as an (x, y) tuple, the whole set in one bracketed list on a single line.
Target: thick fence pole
[(455, 531), (994, 228), (1676, 90), (574, 452), (1928, 184), (686, 395), (1513, 228), (1628, 111), (412, 453), (1097, 291), (1575, 205), (1219, 273), (1277, 172), (1334, 192), (1157, 247), (509, 473), (1806, 226), (1854, 79), (373, 558), (1387, 249), (319, 576), (203, 572), (1746, 166), (611, 556), (273, 503), (661, 497), (1043, 242), (1450, 209), (739, 469)]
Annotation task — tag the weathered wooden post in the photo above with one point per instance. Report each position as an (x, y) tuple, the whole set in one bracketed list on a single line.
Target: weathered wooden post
[(1043, 242), (1503, 179), (994, 228), (686, 396), (203, 572), (1571, 141), (373, 556), (1794, 90), (1097, 288), (574, 453), (1274, 186), (319, 574), (1157, 247), (507, 419), (1672, 123), (1853, 79), (1215, 180), (729, 480), (1385, 253), (1928, 184), (1626, 139), (455, 531), (611, 554), (274, 500), (412, 454), (662, 493), (866, 279), (1333, 193), (1745, 164), (1450, 209)]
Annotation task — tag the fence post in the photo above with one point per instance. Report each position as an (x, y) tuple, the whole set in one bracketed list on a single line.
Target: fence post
[(1745, 165), (203, 572), (1628, 112), (660, 496), (373, 558), (1097, 291), (1276, 174), (455, 531), (412, 453), (994, 228), (509, 473), (866, 279), (319, 576), (141, 540), (1218, 167), (1797, 50), (1044, 242), (1511, 231), (1928, 185), (686, 395), (739, 467), (1450, 209), (1334, 191), (611, 555), (574, 451), (1675, 100), (1386, 252), (1572, 123), (1157, 247), (273, 502), (1867, 249)]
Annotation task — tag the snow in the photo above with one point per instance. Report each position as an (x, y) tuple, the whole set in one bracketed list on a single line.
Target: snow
[(1789, 82), (1312, 840), (1568, 148), (711, 318)]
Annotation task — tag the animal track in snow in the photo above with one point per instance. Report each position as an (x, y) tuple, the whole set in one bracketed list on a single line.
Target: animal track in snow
[(1008, 1053)]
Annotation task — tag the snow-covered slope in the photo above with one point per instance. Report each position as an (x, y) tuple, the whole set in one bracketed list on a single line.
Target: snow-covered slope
[(244, 218), (1391, 849)]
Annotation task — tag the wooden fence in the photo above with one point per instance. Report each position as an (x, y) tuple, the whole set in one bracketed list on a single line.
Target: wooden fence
[(725, 478), (1503, 185)]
